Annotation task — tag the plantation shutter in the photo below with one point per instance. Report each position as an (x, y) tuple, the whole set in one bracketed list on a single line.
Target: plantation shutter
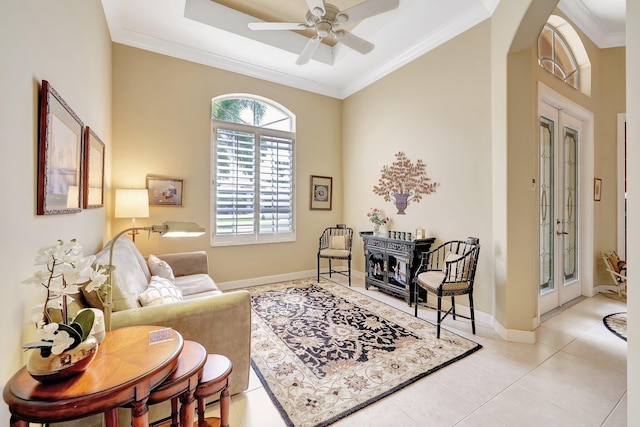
[(235, 182), (276, 185)]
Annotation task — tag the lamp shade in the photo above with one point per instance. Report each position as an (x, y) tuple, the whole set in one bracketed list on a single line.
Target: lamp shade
[(132, 203)]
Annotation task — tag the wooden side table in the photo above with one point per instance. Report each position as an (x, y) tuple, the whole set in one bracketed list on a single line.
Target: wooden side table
[(124, 372), (181, 384), (215, 378)]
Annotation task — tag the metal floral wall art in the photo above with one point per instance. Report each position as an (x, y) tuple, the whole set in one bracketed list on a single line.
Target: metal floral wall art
[(404, 182)]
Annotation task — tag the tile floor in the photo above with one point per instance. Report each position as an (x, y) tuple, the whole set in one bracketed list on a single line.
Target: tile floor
[(575, 375)]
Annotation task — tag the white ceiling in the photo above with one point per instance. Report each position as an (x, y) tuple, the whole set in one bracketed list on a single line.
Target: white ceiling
[(210, 33)]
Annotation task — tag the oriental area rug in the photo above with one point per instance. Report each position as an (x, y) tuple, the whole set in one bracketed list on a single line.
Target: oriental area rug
[(323, 351), (617, 324)]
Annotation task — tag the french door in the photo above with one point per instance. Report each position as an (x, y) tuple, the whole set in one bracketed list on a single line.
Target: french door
[(558, 207)]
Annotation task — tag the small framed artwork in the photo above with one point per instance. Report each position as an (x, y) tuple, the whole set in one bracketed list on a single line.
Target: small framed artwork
[(60, 147), (165, 191), (597, 189), (321, 192), (93, 170)]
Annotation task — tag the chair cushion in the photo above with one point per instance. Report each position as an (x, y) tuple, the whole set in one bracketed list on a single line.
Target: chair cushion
[(194, 284), (334, 253), (160, 291), (338, 242), (457, 271), (431, 280), (160, 268), (613, 261)]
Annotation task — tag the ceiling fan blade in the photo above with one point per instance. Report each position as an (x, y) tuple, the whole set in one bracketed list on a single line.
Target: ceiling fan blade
[(366, 9), (277, 26), (309, 50), (316, 7), (354, 42)]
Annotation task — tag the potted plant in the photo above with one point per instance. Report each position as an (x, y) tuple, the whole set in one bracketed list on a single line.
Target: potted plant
[(65, 346)]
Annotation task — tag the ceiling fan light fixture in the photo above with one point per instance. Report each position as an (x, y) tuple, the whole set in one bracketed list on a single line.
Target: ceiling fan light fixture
[(341, 18), (318, 12), (323, 29)]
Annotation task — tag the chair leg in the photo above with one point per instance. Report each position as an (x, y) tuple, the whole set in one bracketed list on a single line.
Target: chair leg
[(439, 314), (473, 317), (318, 269), (415, 299), (330, 268), (349, 268), (453, 306)]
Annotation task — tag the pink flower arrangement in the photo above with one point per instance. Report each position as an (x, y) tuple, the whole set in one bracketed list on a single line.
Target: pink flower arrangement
[(377, 217)]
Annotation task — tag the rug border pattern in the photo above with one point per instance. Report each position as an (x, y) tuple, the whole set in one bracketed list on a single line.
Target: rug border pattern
[(612, 330)]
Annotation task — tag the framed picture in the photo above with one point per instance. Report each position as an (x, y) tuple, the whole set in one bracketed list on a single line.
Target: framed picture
[(60, 149), (597, 189), (165, 191), (321, 192), (93, 170)]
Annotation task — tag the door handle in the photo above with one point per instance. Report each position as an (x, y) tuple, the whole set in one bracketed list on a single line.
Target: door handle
[(560, 233)]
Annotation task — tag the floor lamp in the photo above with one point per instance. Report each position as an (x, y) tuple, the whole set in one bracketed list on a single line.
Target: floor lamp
[(166, 229)]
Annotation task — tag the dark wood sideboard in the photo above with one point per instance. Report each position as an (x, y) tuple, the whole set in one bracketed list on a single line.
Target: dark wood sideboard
[(391, 263)]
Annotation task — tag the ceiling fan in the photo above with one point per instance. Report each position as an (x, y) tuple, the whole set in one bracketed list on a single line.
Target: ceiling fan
[(327, 19)]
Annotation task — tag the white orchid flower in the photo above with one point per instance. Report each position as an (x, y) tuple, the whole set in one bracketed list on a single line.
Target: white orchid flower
[(96, 280), (47, 332), (39, 278), (61, 342)]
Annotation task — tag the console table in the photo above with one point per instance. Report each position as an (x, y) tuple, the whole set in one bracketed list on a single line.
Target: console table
[(124, 372), (391, 263)]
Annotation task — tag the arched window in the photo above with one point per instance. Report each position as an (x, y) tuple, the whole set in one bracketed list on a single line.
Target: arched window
[(555, 56), (252, 171), (561, 52)]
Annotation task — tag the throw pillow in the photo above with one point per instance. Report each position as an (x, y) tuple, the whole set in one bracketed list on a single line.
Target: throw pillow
[(455, 269), (160, 291), (338, 242), (160, 268)]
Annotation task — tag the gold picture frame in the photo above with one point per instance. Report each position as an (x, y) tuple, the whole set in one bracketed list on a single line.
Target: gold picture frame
[(321, 195), (93, 190), (60, 154), (164, 191)]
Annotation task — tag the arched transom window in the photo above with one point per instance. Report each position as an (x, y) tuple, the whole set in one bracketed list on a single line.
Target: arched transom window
[(252, 171), (555, 56)]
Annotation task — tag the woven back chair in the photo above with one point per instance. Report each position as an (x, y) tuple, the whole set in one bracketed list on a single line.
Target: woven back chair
[(449, 271), (335, 244), (617, 269)]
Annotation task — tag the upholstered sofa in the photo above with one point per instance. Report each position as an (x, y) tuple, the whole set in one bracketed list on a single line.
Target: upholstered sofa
[(220, 321)]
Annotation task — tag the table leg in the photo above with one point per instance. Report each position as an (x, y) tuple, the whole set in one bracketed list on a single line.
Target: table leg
[(188, 408), (224, 407), (111, 418), (16, 422), (140, 413)]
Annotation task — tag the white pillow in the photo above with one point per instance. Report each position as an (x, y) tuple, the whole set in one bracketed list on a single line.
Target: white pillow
[(160, 291), (338, 242), (160, 268)]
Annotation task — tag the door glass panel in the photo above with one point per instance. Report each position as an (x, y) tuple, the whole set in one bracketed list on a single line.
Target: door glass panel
[(570, 202), (546, 227)]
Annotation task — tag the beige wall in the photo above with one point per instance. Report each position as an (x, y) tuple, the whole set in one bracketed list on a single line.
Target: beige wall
[(437, 108), (162, 126), (39, 39)]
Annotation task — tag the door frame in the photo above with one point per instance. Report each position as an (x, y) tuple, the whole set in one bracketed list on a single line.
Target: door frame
[(620, 195), (586, 171)]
